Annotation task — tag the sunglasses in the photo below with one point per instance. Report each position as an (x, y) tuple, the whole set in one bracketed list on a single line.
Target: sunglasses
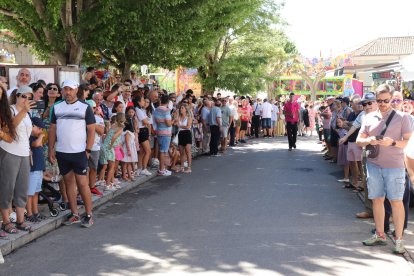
[(396, 101), (53, 88), (384, 101), (25, 97), (365, 104)]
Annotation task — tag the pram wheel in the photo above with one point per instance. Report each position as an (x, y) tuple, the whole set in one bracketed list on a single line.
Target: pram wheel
[(63, 206), (54, 212)]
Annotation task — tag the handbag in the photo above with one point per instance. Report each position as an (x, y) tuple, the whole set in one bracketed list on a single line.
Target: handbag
[(175, 139), (374, 150), (119, 153)]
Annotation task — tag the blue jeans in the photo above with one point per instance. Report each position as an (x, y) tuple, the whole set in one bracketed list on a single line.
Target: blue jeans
[(383, 182)]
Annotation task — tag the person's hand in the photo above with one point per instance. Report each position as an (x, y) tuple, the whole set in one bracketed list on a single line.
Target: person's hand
[(386, 141), (52, 156), (129, 153), (29, 105), (373, 141), (342, 140)]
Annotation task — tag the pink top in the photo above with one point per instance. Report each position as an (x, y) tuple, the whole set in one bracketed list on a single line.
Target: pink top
[(291, 112), (388, 157)]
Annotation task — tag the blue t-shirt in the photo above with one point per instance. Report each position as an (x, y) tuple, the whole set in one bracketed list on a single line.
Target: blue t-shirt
[(214, 113), (160, 116), (37, 157)]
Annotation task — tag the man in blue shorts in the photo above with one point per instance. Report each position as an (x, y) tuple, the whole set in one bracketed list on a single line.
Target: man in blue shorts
[(163, 122)]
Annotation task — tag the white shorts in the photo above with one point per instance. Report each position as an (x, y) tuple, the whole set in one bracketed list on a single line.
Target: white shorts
[(223, 131)]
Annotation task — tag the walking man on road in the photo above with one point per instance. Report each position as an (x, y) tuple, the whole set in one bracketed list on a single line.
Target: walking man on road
[(72, 130), (386, 171), (291, 111)]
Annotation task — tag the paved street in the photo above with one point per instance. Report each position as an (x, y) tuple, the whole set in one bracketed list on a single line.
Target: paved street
[(259, 210)]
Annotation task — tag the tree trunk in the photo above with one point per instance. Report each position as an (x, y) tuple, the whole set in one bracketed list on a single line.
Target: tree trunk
[(125, 69)]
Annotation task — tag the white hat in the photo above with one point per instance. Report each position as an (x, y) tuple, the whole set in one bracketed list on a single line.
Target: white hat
[(330, 98), (70, 83), (24, 89)]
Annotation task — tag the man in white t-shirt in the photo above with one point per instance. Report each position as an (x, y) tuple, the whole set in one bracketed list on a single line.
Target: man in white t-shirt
[(23, 78), (266, 114), (72, 131)]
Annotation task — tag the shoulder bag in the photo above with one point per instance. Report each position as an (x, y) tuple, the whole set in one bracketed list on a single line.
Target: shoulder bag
[(373, 150)]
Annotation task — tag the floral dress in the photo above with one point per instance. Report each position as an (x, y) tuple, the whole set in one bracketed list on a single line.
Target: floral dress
[(108, 154)]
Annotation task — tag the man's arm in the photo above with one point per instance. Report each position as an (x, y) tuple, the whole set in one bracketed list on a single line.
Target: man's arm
[(90, 135), (51, 143)]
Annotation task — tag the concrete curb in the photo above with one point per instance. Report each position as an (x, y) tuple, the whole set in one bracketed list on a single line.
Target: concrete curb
[(15, 241)]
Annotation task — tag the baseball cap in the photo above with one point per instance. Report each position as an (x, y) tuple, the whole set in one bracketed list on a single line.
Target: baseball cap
[(370, 96), (70, 83), (24, 89), (91, 103), (36, 121)]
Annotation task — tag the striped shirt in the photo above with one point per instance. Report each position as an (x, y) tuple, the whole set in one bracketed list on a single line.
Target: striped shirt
[(160, 116)]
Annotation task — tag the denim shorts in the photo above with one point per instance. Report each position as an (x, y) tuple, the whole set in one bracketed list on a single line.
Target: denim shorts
[(35, 183), (383, 182), (164, 143), (266, 122)]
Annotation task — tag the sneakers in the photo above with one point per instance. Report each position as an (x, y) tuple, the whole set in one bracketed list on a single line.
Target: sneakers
[(109, 188), (87, 221), (71, 219), (164, 173), (344, 180), (399, 247), (145, 172), (95, 191), (155, 162), (375, 240)]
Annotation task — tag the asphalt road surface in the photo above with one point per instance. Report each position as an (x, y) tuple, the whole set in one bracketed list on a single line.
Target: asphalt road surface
[(258, 210)]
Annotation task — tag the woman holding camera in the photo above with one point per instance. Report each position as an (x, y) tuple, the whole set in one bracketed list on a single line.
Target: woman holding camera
[(15, 163)]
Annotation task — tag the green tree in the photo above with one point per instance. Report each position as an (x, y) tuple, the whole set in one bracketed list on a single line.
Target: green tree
[(161, 33), (240, 57), (52, 28)]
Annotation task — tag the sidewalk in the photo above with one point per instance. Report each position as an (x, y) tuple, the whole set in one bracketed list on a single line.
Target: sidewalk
[(15, 241)]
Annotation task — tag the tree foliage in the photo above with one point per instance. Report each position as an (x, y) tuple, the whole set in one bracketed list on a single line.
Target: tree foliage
[(248, 53), (52, 28)]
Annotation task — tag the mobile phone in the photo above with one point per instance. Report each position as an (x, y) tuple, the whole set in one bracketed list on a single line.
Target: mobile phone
[(40, 104), (379, 137)]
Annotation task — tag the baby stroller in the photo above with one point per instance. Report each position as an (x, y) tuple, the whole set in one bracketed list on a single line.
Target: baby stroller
[(51, 196)]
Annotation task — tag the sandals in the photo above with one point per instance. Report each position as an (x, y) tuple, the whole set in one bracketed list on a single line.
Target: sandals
[(187, 170), (349, 186), (9, 228), (358, 189), (179, 170), (24, 227)]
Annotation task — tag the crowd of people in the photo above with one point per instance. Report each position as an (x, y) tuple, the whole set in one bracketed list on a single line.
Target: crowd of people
[(86, 137), (366, 136)]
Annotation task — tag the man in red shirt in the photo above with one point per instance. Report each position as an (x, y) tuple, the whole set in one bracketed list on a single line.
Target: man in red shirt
[(291, 111)]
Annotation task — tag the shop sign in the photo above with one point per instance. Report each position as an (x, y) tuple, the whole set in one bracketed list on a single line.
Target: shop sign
[(383, 75)]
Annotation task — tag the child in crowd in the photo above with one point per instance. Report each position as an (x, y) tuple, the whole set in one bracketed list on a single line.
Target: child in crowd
[(94, 155), (112, 140), (174, 156), (37, 166), (128, 144), (342, 150)]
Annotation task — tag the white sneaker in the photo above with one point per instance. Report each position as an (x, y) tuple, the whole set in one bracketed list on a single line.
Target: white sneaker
[(109, 188), (164, 173), (145, 172), (12, 217), (137, 172), (344, 180), (155, 162), (116, 181), (399, 247), (185, 164)]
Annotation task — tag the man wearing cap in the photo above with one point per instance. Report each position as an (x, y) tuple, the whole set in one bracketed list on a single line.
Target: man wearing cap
[(355, 153), (386, 170), (291, 111), (72, 130)]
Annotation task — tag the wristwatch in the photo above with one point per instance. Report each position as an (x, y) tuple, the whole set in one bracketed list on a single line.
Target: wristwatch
[(394, 143), (88, 150)]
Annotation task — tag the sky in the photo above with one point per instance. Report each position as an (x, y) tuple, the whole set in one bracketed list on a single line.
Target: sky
[(337, 27)]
